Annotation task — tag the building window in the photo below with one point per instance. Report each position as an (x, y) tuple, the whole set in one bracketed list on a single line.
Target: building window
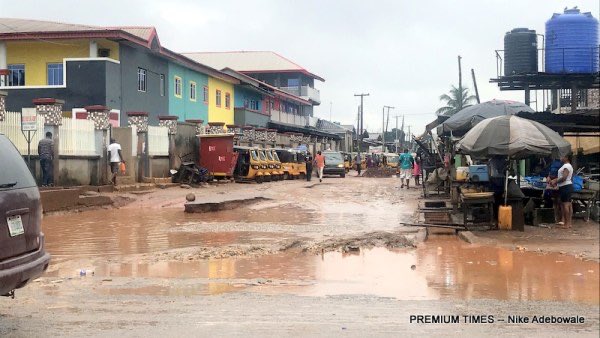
[(192, 91), (55, 74), (16, 75), (227, 101), (162, 84), (254, 105), (293, 83), (178, 86), (218, 98), (205, 94), (142, 84)]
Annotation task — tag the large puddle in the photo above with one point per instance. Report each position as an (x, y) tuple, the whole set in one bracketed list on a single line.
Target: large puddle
[(442, 268), (136, 231)]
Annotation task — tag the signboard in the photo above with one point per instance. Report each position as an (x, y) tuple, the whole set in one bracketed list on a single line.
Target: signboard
[(28, 119)]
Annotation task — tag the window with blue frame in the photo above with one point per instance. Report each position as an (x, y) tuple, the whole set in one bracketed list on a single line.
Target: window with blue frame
[(253, 104), (55, 74), (16, 75)]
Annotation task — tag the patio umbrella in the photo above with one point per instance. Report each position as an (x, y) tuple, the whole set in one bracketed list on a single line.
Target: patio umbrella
[(469, 117), (514, 137)]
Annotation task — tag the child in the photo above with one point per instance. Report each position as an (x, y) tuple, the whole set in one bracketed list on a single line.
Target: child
[(417, 170)]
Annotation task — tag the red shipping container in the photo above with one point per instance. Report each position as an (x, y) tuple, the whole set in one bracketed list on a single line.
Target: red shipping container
[(217, 155)]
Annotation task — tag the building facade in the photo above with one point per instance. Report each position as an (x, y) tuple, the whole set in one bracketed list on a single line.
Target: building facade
[(188, 92), (123, 68)]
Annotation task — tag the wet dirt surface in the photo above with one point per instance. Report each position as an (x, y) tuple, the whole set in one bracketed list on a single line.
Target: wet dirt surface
[(312, 261)]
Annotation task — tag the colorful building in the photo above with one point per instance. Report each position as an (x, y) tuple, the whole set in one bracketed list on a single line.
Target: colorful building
[(123, 68), (220, 101), (188, 93)]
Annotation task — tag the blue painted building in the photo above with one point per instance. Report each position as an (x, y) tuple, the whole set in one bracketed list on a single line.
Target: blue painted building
[(188, 93)]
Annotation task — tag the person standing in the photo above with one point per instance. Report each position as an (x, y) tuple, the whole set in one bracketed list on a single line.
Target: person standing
[(46, 154), (116, 157), (417, 171), (320, 163), (406, 166), (358, 164), (309, 166), (565, 190)]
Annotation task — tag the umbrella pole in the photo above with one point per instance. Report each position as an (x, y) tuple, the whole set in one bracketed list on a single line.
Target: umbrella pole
[(506, 183)]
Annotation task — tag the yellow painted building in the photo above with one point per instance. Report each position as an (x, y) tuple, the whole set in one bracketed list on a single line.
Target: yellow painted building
[(36, 55), (220, 102)]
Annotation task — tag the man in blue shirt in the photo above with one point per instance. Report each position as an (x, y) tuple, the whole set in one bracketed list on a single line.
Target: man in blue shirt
[(406, 166)]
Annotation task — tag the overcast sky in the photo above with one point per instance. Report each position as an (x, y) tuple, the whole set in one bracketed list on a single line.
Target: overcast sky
[(403, 53)]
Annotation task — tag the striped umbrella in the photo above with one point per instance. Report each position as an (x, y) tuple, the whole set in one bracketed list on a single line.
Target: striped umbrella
[(514, 137)]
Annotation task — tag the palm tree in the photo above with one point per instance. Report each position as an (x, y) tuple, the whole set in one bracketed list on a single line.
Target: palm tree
[(456, 100)]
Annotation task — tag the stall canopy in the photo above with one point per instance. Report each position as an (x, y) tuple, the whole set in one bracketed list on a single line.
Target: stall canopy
[(471, 116), (514, 137)]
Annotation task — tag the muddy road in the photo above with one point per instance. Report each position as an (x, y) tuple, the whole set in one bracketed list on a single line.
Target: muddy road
[(313, 259)]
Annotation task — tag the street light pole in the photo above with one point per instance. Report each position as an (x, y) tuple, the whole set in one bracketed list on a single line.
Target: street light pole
[(361, 124)]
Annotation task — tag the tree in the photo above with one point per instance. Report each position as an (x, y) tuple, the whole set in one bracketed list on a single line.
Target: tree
[(365, 134), (455, 100)]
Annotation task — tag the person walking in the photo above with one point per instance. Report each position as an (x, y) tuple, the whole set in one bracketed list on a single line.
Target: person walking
[(565, 190), (116, 157), (358, 164), (320, 163), (417, 171), (46, 155), (309, 166), (406, 166)]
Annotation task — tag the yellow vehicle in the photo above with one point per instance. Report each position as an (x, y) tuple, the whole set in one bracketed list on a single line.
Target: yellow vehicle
[(287, 157), (264, 164), (390, 160), (248, 167), (274, 164), (347, 161), (301, 163)]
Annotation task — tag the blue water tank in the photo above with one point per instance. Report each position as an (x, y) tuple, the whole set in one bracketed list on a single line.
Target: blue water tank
[(572, 43)]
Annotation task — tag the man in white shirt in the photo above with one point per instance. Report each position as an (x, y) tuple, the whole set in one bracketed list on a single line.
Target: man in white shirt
[(565, 190), (116, 157)]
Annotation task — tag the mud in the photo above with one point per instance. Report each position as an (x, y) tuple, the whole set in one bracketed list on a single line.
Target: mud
[(379, 172), (200, 207), (319, 261)]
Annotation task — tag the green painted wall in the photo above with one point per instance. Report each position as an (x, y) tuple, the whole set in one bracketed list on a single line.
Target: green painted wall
[(184, 106)]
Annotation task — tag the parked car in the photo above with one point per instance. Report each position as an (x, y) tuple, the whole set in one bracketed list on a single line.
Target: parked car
[(22, 255), (334, 163)]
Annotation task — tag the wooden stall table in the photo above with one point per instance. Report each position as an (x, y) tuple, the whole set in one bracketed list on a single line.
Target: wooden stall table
[(473, 201), (585, 198)]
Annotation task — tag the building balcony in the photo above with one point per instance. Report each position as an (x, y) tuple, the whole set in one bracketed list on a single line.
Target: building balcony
[(305, 92), (289, 118), (244, 116)]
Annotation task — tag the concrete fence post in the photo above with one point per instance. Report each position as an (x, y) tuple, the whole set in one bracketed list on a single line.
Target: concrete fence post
[(51, 110), (2, 105), (170, 121), (140, 121), (100, 116)]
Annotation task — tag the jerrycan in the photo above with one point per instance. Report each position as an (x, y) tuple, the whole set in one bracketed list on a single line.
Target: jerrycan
[(505, 217)]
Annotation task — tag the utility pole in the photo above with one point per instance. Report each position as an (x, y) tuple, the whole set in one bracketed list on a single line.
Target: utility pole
[(397, 141), (402, 130), (475, 85), (362, 95), (460, 90), (330, 106), (409, 138), (383, 127)]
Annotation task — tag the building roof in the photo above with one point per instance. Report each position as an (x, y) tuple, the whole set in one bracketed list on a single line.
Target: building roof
[(332, 127), (28, 29), (250, 62)]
